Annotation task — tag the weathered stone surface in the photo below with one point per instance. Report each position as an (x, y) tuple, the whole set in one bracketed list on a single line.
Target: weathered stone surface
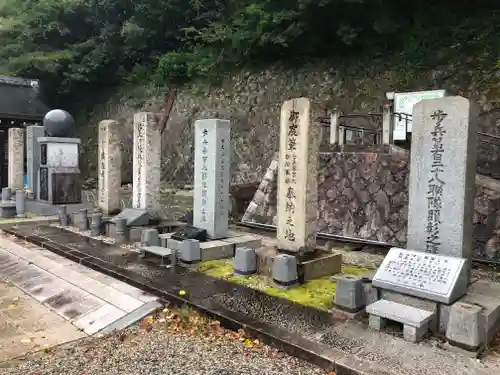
[(16, 158), (110, 162), (348, 204)]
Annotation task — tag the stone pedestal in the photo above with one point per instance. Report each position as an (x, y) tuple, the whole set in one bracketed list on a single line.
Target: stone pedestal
[(33, 156), (442, 177), (298, 177), (109, 164), (147, 163), (212, 177), (16, 159)]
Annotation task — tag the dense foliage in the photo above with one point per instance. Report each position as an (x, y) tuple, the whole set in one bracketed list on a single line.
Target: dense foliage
[(79, 46)]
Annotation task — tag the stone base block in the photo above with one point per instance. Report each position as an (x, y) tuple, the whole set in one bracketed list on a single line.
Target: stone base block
[(7, 210), (350, 294), (414, 334), (168, 256), (324, 265), (245, 261), (216, 249), (284, 271), (466, 326)]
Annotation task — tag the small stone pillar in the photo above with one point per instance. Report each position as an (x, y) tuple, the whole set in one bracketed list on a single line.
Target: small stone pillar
[(245, 261), (20, 203), (63, 216), (6, 194), (33, 156), (149, 237), (334, 127), (121, 231), (110, 164), (284, 270), (386, 124), (147, 163), (96, 224), (83, 220), (16, 159), (190, 251)]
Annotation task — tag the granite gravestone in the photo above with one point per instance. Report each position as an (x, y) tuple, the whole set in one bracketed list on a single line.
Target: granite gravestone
[(442, 177), (33, 156), (15, 167), (147, 163), (109, 164), (212, 177), (297, 177)]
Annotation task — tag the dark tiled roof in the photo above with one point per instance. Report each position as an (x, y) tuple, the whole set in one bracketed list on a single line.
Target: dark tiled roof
[(19, 98)]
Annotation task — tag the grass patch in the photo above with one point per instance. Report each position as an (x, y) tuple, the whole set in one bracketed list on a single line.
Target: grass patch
[(317, 293)]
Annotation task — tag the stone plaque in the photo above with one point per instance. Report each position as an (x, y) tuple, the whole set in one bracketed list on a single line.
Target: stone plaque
[(135, 217), (212, 177), (442, 177), (297, 177), (33, 132), (147, 163), (431, 276)]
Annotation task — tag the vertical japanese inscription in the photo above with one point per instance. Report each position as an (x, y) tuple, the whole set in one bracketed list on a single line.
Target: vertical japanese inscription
[(222, 183), (140, 163), (102, 163), (290, 170), (204, 174), (435, 183)]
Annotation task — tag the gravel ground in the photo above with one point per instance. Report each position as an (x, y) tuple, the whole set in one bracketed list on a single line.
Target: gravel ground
[(154, 350)]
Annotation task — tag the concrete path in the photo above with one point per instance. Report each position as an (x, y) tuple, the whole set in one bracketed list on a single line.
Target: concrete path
[(88, 300)]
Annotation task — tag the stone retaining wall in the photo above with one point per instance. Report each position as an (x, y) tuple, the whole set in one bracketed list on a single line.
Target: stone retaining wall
[(365, 195)]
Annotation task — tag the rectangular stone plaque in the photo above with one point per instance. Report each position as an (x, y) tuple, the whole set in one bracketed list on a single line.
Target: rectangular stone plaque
[(212, 148), (442, 177), (434, 277), (135, 217)]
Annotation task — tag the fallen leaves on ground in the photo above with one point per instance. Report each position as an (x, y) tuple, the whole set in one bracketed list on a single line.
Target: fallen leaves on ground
[(185, 321)]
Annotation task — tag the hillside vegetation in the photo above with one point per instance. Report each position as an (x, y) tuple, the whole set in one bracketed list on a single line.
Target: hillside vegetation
[(78, 47)]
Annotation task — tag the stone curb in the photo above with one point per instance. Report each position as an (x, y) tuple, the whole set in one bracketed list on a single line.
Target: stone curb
[(293, 344)]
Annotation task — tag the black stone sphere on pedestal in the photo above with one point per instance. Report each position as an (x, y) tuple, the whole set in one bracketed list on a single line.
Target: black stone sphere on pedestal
[(58, 123)]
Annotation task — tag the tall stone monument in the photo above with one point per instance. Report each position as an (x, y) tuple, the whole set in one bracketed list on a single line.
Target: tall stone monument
[(16, 159), (109, 164), (297, 177), (33, 132), (147, 163), (212, 177), (442, 177)]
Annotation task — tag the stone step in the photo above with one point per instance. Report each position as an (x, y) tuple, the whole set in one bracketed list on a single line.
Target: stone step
[(400, 313)]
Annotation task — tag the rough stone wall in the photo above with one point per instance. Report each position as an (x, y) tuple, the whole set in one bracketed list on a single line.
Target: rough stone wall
[(252, 101), (365, 195)]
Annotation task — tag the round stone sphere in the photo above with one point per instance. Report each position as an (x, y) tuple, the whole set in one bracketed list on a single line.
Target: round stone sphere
[(58, 123)]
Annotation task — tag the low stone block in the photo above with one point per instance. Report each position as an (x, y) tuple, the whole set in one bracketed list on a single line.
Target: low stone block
[(121, 231), (466, 326), (21, 204), (285, 271), (324, 265), (168, 256), (245, 261), (96, 224), (7, 210), (376, 322), (216, 249), (83, 221), (6, 194), (149, 237), (350, 294), (164, 238), (414, 334), (173, 244), (190, 251)]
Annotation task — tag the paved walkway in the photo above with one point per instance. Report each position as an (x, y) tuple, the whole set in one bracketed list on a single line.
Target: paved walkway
[(44, 292)]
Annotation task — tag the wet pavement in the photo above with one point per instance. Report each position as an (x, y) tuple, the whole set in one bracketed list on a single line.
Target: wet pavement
[(349, 344)]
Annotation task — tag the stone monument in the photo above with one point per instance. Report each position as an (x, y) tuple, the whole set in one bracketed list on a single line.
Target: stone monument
[(16, 159), (442, 177), (212, 177), (297, 177), (33, 132), (147, 163), (59, 174), (109, 164)]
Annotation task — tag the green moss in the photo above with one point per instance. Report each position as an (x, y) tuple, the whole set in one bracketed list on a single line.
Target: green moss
[(316, 293), (354, 270)]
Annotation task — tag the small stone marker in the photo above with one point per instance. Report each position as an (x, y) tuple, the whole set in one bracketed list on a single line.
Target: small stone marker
[(110, 164), (33, 156), (431, 276), (121, 231), (63, 216), (245, 261), (350, 294), (211, 178), (149, 237), (83, 220), (96, 224), (284, 271), (16, 158), (297, 177), (20, 203), (147, 163), (190, 251), (466, 326), (442, 177), (6, 194)]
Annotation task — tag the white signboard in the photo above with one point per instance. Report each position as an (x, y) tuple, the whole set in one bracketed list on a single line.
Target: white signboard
[(403, 104), (431, 276)]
